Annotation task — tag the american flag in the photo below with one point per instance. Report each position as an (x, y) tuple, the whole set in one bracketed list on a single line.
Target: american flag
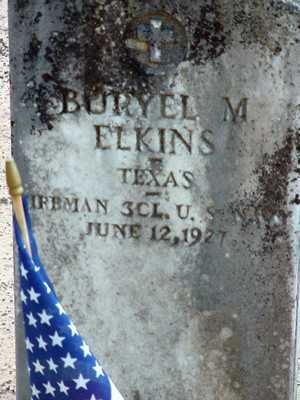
[(60, 363)]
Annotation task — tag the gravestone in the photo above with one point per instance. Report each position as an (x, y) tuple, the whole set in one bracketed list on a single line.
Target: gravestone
[(159, 145)]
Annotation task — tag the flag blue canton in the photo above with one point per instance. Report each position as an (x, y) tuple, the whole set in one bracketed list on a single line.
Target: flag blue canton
[(60, 363)]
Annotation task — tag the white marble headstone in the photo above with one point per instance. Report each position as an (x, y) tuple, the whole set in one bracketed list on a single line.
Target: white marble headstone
[(159, 144)]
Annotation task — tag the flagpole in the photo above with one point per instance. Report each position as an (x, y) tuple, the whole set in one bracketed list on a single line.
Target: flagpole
[(14, 183)]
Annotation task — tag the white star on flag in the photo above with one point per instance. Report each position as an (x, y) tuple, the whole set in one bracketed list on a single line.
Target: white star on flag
[(74, 331), (69, 361), (41, 343), (81, 382), (34, 391), (49, 389), (38, 367), (47, 287), (98, 369), (63, 388), (29, 345), (60, 309), (56, 339), (34, 296), (24, 271), (31, 320), (45, 318), (86, 350), (52, 365), (23, 297)]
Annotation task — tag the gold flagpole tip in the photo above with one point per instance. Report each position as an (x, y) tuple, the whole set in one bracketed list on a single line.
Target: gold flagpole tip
[(13, 179)]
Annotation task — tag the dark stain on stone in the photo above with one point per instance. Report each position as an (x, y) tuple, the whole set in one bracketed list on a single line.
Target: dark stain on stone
[(296, 200), (273, 188), (21, 4), (208, 38), (43, 106), (47, 77), (34, 49), (106, 59), (136, 395), (38, 17)]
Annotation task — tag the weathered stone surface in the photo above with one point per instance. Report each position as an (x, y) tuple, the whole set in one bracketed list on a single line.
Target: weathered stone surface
[(166, 205)]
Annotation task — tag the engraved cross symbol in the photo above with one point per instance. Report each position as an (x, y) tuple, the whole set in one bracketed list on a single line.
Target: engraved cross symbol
[(152, 37), (156, 36), (157, 41)]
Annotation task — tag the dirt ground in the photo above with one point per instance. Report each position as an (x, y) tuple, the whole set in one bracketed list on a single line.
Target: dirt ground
[(7, 346)]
